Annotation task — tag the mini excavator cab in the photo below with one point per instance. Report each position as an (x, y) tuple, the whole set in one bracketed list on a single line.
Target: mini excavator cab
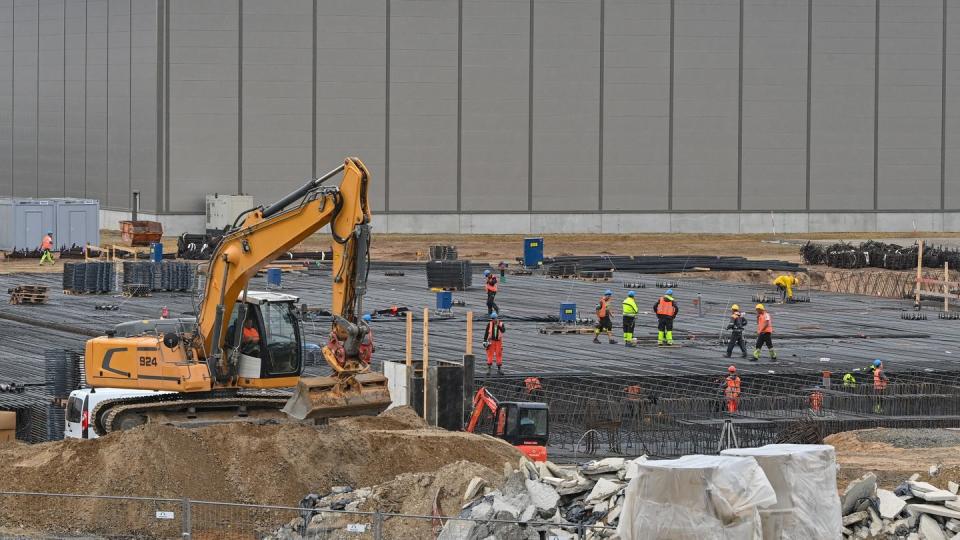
[(524, 424)]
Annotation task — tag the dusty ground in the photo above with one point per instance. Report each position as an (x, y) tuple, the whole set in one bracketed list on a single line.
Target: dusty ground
[(895, 454), (240, 463)]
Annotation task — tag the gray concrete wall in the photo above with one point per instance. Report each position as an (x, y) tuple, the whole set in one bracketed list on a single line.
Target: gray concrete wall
[(495, 115)]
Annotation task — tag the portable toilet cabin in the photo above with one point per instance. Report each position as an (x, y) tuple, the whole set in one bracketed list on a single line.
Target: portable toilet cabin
[(78, 222), (24, 222)]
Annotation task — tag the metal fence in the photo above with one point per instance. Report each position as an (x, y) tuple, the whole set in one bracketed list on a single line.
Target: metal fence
[(31, 515)]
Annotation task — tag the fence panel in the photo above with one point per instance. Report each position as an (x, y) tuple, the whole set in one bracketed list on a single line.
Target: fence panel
[(39, 515)]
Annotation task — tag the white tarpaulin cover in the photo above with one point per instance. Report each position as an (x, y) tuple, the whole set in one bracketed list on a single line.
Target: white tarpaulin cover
[(696, 497), (804, 477)]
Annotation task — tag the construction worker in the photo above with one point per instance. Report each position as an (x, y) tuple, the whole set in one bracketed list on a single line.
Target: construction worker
[(879, 379), (785, 285), (849, 381), (491, 287), (630, 311), (764, 333), (731, 389), (493, 342), (47, 246), (604, 321), (666, 310), (250, 338), (737, 323)]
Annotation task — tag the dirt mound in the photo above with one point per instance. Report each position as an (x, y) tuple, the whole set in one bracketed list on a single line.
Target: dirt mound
[(895, 454), (275, 464)]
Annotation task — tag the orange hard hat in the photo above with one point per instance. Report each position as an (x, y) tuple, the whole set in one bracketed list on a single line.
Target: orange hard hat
[(732, 369)]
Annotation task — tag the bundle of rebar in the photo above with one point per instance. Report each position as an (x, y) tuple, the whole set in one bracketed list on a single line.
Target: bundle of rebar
[(651, 264)]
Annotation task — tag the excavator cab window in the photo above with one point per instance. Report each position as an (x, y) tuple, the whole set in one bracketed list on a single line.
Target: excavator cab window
[(271, 333), (525, 423)]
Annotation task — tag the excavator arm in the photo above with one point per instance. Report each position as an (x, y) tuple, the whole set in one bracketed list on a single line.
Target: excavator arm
[(482, 400), (266, 233)]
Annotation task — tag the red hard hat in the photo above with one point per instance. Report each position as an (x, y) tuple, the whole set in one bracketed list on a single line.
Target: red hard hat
[(732, 369)]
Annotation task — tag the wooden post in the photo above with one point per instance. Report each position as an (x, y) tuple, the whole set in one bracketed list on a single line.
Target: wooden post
[(426, 364), (946, 286), (469, 348), (409, 356), (919, 271)]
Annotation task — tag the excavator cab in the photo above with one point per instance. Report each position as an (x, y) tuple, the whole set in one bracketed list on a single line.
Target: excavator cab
[(265, 336), (524, 424)]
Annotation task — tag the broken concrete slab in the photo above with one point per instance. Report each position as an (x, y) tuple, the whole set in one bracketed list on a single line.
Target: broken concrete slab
[(608, 465), (953, 505), (953, 487), (853, 519), (935, 510), (930, 529), (953, 525), (876, 524), (940, 495), (914, 477), (864, 487), (474, 488), (543, 497), (604, 490), (890, 504)]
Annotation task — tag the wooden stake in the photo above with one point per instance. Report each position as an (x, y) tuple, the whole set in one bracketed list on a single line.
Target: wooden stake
[(426, 364), (919, 270), (946, 286), (409, 356), (469, 348)]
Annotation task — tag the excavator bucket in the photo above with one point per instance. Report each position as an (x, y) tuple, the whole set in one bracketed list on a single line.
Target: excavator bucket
[(331, 397)]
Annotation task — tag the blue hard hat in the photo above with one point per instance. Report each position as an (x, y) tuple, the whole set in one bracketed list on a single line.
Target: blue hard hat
[(486, 272), (669, 292), (631, 294), (608, 292), (877, 362), (493, 315), (367, 317)]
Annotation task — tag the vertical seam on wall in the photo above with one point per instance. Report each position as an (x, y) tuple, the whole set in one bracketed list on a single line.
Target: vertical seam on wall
[(64, 98), (670, 123), (386, 118), (313, 98), (809, 91), (530, 116), (106, 137), (943, 113), (166, 105), (13, 92), (459, 105), (130, 105), (876, 107), (740, 114), (600, 126), (36, 148), (240, 97), (159, 106)]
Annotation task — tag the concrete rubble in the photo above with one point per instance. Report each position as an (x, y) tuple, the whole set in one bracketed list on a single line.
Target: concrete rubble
[(552, 499), (915, 510)]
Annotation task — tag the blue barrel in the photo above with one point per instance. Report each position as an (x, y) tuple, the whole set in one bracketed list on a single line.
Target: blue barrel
[(274, 276), (156, 252), (568, 312), (444, 300), (532, 252)]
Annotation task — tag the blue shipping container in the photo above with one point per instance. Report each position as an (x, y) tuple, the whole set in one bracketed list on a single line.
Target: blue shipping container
[(444, 300), (568, 312), (532, 252)]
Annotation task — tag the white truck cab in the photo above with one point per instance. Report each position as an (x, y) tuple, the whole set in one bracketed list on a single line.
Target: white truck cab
[(82, 403)]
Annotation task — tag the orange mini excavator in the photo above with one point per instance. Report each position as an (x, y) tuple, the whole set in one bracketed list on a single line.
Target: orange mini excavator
[(220, 366), (524, 424)]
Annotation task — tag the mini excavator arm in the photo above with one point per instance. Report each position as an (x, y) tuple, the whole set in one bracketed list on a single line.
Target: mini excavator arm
[(265, 233), (482, 400)]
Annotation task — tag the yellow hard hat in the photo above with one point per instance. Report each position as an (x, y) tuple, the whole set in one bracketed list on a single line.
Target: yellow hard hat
[(735, 307), (760, 307)]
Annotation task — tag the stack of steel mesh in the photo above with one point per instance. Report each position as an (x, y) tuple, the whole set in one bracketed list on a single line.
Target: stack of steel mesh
[(163, 276), (455, 275), (141, 274), (443, 253), (89, 277)]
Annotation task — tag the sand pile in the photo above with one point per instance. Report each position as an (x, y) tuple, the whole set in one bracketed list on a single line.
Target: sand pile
[(276, 464)]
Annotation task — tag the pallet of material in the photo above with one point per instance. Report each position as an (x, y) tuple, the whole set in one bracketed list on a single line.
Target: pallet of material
[(565, 329), (29, 294)]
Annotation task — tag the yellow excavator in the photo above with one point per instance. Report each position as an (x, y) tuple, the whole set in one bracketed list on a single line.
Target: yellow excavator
[(228, 362)]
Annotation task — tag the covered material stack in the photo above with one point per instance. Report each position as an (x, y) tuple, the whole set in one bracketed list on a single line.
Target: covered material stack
[(805, 480), (696, 497)]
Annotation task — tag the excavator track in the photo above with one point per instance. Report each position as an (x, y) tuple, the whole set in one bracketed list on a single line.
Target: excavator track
[(187, 410)]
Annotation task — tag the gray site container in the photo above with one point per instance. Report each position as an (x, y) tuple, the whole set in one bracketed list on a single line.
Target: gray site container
[(23, 222), (78, 222)]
